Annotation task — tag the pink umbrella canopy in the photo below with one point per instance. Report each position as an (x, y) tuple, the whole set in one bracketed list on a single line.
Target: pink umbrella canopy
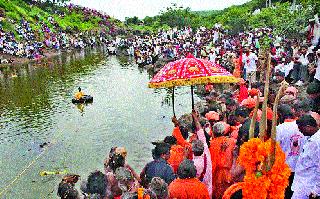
[(191, 71)]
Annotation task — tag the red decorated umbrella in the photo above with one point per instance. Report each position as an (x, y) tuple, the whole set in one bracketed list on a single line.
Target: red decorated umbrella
[(190, 71)]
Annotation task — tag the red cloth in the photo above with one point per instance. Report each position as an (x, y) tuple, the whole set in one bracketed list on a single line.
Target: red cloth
[(243, 94), (221, 149), (188, 189), (182, 142), (176, 156), (209, 87)]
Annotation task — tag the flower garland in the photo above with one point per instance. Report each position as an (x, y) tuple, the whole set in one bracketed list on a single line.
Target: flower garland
[(261, 182)]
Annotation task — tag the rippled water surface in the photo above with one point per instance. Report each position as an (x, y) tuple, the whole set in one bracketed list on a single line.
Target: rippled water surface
[(35, 107)]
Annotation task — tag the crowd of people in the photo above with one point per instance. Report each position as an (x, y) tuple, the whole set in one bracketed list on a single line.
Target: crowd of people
[(199, 158), (32, 44), (292, 59)]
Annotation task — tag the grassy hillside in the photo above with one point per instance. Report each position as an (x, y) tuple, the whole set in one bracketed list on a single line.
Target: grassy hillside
[(15, 10)]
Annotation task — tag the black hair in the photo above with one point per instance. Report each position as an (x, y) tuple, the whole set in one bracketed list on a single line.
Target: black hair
[(96, 183), (243, 135), (307, 120), (255, 85), (303, 105), (242, 111), (187, 169), (231, 102), (285, 112), (160, 149), (228, 94), (184, 132), (116, 161), (313, 88), (67, 191), (170, 140), (232, 120)]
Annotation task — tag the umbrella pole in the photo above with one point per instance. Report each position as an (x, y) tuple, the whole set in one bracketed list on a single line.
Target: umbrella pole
[(174, 113), (192, 97)]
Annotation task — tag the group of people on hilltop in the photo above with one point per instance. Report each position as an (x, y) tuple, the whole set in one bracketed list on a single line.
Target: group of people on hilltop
[(33, 44), (199, 158)]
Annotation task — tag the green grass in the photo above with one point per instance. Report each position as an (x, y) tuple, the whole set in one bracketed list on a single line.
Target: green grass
[(18, 9)]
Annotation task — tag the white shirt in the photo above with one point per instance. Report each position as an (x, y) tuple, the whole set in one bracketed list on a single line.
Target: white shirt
[(288, 67), (291, 141), (317, 75), (250, 62), (280, 68), (212, 57), (307, 174), (304, 60)]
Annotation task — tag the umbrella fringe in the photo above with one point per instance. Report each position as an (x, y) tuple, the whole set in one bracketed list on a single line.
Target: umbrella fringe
[(194, 81)]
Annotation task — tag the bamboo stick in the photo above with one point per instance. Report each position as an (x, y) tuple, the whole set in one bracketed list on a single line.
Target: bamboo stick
[(254, 118), (283, 87), (263, 121)]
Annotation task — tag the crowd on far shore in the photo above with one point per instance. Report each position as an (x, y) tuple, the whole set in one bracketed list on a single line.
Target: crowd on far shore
[(292, 59), (198, 159)]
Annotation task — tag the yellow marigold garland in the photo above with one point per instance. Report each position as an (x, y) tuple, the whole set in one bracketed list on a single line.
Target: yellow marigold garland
[(259, 182)]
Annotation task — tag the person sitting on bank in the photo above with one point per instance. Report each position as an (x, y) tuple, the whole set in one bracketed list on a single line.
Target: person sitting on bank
[(79, 94)]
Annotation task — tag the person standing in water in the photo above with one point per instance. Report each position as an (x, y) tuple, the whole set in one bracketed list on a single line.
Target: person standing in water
[(79, 94)]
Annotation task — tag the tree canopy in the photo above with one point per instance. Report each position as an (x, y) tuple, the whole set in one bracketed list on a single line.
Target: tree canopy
[(285, 16)]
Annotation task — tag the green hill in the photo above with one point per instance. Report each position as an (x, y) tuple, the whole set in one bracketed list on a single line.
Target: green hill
[(36, 13)]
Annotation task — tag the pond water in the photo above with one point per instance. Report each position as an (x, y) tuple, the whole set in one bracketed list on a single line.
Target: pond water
[(35, 107)]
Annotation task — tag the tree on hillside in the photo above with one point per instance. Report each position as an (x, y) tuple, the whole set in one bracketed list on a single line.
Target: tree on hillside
[(175, 16), (132, 20), (148, 21)]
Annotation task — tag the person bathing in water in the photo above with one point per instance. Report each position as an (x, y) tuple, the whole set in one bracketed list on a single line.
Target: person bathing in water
[(79, 94)]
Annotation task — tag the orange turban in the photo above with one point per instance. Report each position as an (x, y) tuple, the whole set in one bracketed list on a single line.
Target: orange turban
[(212, 115), (253, 92), (249, 103)]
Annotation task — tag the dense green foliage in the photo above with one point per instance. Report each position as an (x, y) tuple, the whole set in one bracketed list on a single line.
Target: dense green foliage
[(281, 16)]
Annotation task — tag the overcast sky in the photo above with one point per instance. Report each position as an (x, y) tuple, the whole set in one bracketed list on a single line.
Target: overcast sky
[(141, 8)]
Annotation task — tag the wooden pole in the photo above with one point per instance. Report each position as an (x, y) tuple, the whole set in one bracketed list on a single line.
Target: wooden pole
[(272, 159), (192, 97), (263, 121), (174, 113)]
